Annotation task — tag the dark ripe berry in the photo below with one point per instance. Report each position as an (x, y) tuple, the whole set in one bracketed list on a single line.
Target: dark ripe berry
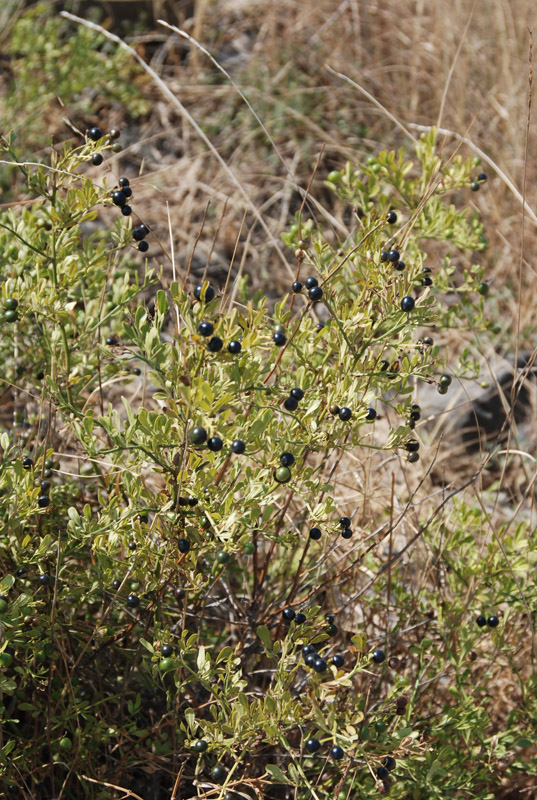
[(329, 618), (310, 659), (312, 745), (307, 649), (183, 545), (412, 445), (200, 746), (382, 773), (300, 618), (346, 533), (205, 328), (371, 414), (115, 133), (391, 217), (282, 475), (394, 662), (10, 303), (44, 580), (11, 316), (332, 630), (116, 584), (192, 501), (43, 501), (412, 458), (136, 371), (345, 522), (21, 571), (111, 341), (27, 462), (315, 534), (97, 159), (320, 665), (126, 211), (166, 650), (143, 247), (334, 410), (378, 656), (482, 176), (389, 762), (179, 593), (399, 266), (182, 501), (338, 660), (279, 328), (493, 622), (297, 393), (47, 473), (296, 287), (215, 444), (279, 339), (132, 545), (407, 303), (118, 198), (205, 296), (290, 404), (401, 702), (393, 256), (315, 294), (481, 621), (140, 232), (446, 380), (198, 435), (238, 447), (428, 341), (123, 182), (95, 134), (443, 389), (384, 256), (218, 773), (337, 752), (234, 347), (383, 365), (474, 186), (310, 282), (288, 614), (127, 191), (215, 344), (345, 414), (133, 601)]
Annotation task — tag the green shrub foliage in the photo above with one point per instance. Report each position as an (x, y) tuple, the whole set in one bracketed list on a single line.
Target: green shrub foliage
[(152, 572)]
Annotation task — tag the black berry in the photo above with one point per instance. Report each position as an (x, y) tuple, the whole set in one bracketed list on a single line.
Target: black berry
[(493, 622), (95, 134), (312, 745), (371, 414), (143, 247), (315, 294), (337, 752), (238, 447), (378, 656), (297, 393), (123, 182), (205, 328), (167, 650), (43, 501), (307, 650), (315, 534), (300, 618), (393, 256), (338, 660), (115, 133), (140, 232), (481, 621), (310, 659), (391, 217), (279, 339), (290, 404), (320, 665), (27, 462), (97, 159), (288, 614), (287, 459), (207, 295), (215, 344), (183, 545), (118, 198), (384, 256), (116, 584), (346, 533), (133, 601), (296, 287), (215, 444), (382, 773), (412, 445), (345, 522), (311, 282), (234, 347), (474, 186), (126, 211), (127, 191), (198, 435), (345, 413), (407, 303)]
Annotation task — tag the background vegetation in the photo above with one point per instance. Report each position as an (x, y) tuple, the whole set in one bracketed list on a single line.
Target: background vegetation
[(149, 643)]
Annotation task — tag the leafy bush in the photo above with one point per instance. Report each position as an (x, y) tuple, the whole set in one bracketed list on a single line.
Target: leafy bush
[(159, 490)]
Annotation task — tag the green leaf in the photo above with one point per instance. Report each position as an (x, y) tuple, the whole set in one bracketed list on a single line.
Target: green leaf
[(264, 635)]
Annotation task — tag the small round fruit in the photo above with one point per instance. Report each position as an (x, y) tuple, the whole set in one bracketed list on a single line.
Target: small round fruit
[(391, 217), (311, 282), (6, 659), (337, 752), (310, 659), (442, 389), (140, 232), (248, 549), (27, 463), (399, 266), (378, 656), (218, 773), (183, 545), (205, 328), (482, 176), (407, 304), (43, 501), (238, 447), (344, 414), (345, 522), (198, 435), (380, 726), (338, 660), (320, 665), (279, 328), (95, 134), (114, 133), (279, 339), (394, 662), (200, 746), (215, 344), (143, 247), (166, 664), (493, 621), (481, 621), (371, 414), (287, 459), (315, 534), (66, 744), (329, 618), (123, 182), (474, 186), (389, 762), (288, 614), (312, 745), (215, 444), (315, 294), (334, 176), (308, 649), (384, 256), (346, 533), (10, 303), (446, 380), (222, 557), (332, 630), (296, 287), (118, 198), (11, 316), (133, 601), (234, 347), (97, 159), (300, 618), (126, 211), (290, 404), (282, 475), (205, 296), (382, 773), (412, 445), (297, 393), (3, 605), (393, 256), (401, 702), (116, 584), (483, 288), (111, 341), (334, 410), (412, 458)]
